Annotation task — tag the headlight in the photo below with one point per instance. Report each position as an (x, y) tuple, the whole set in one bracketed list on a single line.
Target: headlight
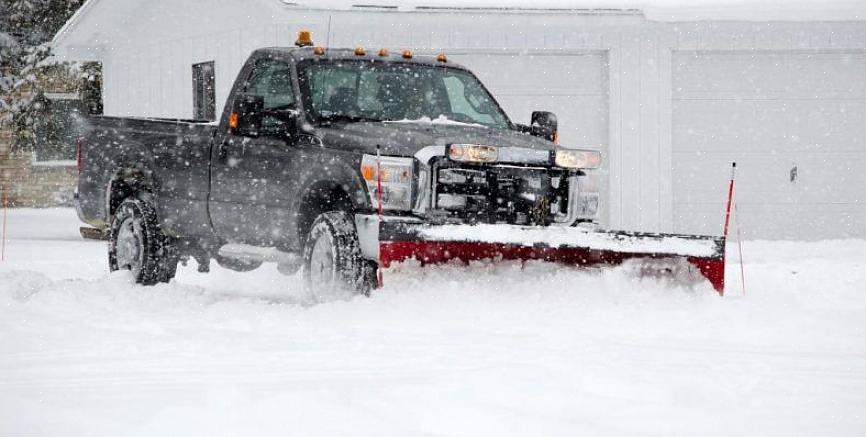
[(396, 181), (472, 152), (570, 158)]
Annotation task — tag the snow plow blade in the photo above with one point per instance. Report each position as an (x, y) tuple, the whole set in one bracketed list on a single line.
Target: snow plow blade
[(431, 244)]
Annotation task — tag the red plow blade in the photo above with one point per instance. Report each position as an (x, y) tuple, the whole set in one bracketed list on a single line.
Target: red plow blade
[(431, 244)]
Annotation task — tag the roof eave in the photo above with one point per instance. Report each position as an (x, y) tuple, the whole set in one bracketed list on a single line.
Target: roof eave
[(72, 23)]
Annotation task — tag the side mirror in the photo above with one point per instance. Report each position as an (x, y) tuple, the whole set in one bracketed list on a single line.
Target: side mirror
[(246, 116), (544, 125)]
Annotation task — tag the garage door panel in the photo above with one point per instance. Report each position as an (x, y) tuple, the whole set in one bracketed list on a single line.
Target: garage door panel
[(538, 74), (784, 126), (726, 72), (704, 177), (794, 123), (820, 74), (837, 178), (762, 221), (757, 75), (725, 125), (781, 178), (829, 124)]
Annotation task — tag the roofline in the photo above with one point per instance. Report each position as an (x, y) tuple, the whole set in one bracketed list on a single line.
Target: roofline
[(73, 21), (765, 11), (433, 8)]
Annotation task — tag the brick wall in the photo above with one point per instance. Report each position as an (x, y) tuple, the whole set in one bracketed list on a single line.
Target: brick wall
[(34, 185)]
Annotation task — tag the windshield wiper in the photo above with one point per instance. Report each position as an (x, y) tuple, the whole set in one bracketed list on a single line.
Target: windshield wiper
[(344, 117)]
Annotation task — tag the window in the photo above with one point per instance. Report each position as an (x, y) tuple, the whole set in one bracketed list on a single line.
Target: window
[(204, 96), (58, 128), (468, 99), (91, 87), (272, 81), (394, 92)]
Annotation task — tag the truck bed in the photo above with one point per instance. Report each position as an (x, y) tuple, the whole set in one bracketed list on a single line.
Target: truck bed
[(170, 156)]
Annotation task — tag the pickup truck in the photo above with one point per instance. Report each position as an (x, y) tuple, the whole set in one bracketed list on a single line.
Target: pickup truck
[(311, 145)]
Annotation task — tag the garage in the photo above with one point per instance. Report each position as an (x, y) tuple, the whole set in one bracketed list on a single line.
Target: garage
[(571, 85), (794, 123)]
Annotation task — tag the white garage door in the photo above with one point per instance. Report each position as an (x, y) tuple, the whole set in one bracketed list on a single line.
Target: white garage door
[(795, 123), (571, 85)]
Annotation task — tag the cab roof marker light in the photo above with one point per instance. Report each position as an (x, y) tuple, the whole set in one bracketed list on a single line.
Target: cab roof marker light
[(383, 52), (305, 39), (318, 50), (359, 51), (442, 57), (407, 54)]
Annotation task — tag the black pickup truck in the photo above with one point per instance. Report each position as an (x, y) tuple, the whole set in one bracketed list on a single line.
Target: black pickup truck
[(311, 143)]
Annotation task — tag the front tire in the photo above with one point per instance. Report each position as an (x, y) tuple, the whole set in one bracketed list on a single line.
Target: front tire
[(333, 265), (136, 243)]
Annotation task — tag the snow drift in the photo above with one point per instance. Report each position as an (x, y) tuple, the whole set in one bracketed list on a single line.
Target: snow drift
[(451, 351)]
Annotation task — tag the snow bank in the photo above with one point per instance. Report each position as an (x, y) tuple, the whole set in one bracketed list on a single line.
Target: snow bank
[(491, 349)]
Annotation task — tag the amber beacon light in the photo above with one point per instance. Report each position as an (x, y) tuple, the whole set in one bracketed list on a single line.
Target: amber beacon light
[(305, 39)]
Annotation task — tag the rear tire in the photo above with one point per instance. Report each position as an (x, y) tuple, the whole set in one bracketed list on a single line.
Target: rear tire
[(136, 243), (333, 265)]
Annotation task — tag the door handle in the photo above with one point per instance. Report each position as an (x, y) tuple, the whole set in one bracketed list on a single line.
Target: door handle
[(222, 149)]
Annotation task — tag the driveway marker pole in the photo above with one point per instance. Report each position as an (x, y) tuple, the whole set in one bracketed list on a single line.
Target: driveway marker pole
[(5, 189)]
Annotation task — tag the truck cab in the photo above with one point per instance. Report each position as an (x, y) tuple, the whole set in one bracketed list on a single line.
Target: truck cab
[(325, 122)]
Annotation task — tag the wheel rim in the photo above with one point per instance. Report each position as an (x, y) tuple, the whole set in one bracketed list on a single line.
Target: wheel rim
[(129, 245), (323, 275)]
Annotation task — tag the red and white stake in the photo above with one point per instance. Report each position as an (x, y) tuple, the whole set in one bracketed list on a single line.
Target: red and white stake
[(730, 198), (727, 223), (5, 190), (379, 281)]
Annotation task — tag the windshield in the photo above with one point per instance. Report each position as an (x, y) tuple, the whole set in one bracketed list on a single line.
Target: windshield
[(379, 91)]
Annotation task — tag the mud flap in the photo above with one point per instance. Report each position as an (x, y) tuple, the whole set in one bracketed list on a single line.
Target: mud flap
[(92, 233)]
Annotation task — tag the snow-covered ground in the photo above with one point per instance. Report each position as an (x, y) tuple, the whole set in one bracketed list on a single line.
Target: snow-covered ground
[(492, 350)]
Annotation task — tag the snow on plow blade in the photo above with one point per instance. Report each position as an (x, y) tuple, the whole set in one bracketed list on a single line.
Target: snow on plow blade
[(399, 241)]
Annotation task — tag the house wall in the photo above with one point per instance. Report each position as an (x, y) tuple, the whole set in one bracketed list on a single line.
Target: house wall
[(153, 78)]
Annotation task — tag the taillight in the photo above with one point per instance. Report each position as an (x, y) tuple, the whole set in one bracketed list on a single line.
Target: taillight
[(78, 155)]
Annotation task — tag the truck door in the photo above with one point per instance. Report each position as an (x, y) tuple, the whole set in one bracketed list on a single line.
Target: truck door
[(252, 175)]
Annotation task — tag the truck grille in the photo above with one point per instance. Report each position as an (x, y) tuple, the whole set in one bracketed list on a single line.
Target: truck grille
[(501, 194)]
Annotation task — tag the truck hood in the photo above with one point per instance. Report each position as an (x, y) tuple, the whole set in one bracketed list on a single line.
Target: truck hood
[(407, 138)]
